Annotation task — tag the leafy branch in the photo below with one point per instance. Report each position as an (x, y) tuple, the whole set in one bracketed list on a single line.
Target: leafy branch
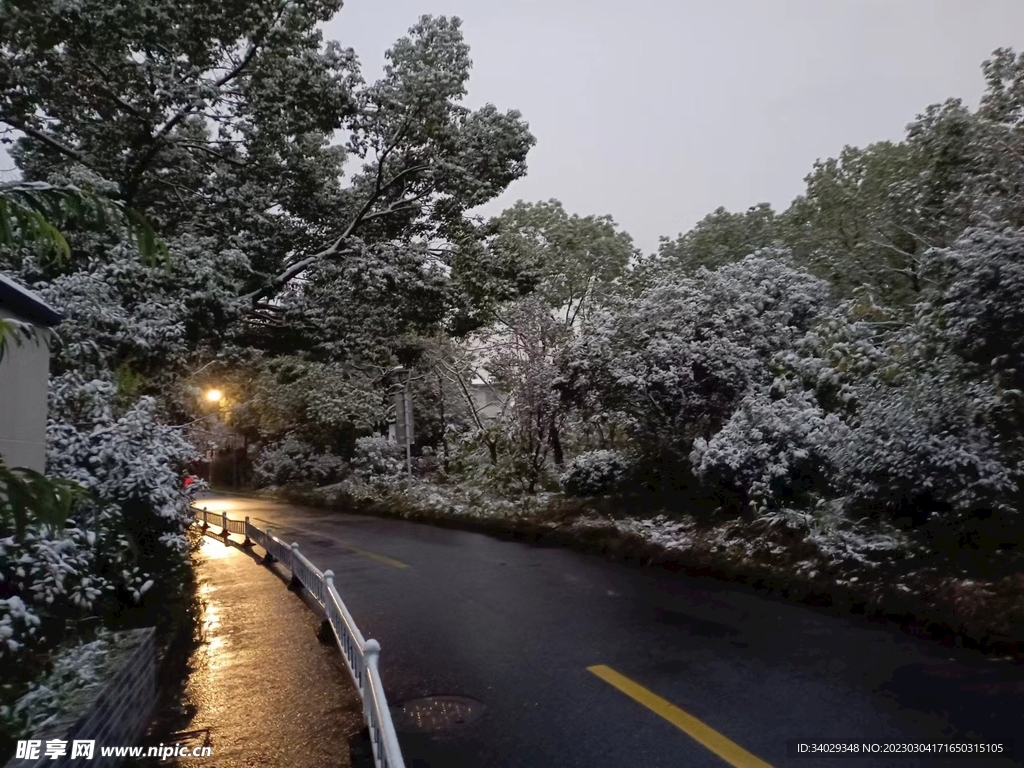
[(30, 212), (28, 496)]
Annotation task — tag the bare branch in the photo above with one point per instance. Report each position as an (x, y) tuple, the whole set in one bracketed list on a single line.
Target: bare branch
[(45, 139), (398, 206), (213, 153), (916, 236), (892, 247), (113, 96)]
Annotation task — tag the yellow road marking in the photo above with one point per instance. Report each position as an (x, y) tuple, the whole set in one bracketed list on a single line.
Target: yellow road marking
[(729, 751), (364, 552), (374, 556)]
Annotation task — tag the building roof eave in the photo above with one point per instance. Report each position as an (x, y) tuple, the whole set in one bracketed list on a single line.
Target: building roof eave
[(22, 302)]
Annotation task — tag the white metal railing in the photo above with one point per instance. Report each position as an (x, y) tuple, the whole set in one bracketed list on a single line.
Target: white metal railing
[(361, 656)]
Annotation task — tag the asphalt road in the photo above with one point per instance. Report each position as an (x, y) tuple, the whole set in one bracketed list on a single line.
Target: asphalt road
[(577, 661)]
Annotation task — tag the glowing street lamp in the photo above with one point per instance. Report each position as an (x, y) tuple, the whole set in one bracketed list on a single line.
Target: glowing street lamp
[(214, 395)]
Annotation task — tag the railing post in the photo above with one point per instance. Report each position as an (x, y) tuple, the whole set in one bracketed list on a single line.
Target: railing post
[(382, 731), (204, 519), (268, 558), (371, 658), (295, 584), (326, 632), (224, 526), (248, 542)]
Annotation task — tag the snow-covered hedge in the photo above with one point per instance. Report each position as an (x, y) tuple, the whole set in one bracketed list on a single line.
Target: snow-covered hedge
[(595, 473)]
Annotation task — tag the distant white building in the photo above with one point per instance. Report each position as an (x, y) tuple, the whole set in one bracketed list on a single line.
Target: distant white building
[(24, 378), (486, 400)]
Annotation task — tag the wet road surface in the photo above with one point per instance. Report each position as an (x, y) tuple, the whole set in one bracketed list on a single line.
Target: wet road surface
[(263, 690), (558, 658)]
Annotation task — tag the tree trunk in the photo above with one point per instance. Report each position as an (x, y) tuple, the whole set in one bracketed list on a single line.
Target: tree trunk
[(556, 445)]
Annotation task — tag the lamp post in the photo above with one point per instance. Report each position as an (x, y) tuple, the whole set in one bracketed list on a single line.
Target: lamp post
[(213, 397)]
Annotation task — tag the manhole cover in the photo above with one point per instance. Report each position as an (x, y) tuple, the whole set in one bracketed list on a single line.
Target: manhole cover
[(435, 713)]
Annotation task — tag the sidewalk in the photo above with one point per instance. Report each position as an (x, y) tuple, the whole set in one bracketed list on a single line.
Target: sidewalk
[(262, 689)]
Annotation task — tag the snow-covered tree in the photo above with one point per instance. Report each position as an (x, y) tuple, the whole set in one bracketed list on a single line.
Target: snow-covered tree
[(718, 239), (572, 261), (774, 451), (979, 307), (675, 361), (524, 364)]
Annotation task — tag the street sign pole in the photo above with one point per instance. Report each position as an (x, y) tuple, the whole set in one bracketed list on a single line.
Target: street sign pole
[(401, 399), (408, 427)]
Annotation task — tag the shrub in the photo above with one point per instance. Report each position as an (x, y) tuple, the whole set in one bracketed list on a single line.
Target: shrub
[(377, 457), (923, 449), (291, 461), (595, 473), (773, 450)]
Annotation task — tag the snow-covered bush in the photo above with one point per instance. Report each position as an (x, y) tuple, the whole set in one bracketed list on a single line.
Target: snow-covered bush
[(125, 535), (676, 361), (377, 458), (924, 448), (291, 461), (832, 359), (59, 573), (124, 532), (19, 624), (595, 473), (773, 450), (124, 457), (76, 672), (854, 541), (981, 309)]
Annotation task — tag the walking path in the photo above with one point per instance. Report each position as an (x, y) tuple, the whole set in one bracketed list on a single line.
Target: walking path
[(263, 691)]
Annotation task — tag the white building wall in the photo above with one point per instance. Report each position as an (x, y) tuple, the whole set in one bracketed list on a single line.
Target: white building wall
[(486, 401), (24, 382)]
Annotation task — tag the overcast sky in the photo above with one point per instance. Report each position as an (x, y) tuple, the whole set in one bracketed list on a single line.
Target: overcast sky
[(659, 111)]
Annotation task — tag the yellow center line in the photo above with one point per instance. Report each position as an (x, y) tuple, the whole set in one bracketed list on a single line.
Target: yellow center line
[(707, 736), (374, 556), (364, 552)]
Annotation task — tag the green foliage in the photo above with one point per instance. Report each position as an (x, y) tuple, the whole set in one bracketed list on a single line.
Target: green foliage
[(852, 227), (32, 212), (572, 261), (719, 238), (26, 496)]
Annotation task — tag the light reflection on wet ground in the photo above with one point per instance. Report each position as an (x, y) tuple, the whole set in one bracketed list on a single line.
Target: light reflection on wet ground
[(263, 686)]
